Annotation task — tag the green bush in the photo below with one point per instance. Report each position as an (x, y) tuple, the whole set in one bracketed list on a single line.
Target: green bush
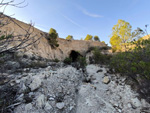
[(56, 60), (69, 37), (88, 37), (96, 38), (52, 38), (133, 62), (82, 62), (98, 57), (68, 60), (103, 42)]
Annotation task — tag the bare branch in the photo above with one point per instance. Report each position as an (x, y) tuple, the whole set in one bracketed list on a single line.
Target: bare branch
[(10, 42)]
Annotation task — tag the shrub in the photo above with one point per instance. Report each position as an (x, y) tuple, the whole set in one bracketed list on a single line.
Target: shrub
[(52, 38), (103, 42), (67, 60), (82, 62), (69, 37), (98, 57), (135, 64), (37, 65), (56, 60), (88, 37), (96, 38)]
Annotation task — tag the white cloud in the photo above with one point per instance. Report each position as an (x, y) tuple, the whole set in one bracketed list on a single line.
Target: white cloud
[(84, 11), (91, 14), (70, 20)]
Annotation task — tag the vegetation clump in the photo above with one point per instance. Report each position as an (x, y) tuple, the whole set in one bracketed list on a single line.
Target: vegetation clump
[(135, 64), (55, 60), (98, 57), (96, 38), (52, 38), (122, 34), (82, 62), (103, 42), (68, 60), (69, 37), (88, 37)]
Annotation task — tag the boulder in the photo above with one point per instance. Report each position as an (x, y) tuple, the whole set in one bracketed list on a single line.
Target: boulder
[(60, 105), (136, 102), (47, 106), (36, 83), (106, 80), (40, 101), (28, 107)]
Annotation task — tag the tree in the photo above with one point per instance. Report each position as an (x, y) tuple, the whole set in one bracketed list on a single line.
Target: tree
[(88, 37), (9, 41), (96, 38), (52, 38), (53, 33), (69, 37), (103, 42), (121, 34)]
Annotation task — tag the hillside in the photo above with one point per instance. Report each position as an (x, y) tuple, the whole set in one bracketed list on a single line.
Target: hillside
[(42, 47), (36, 80)]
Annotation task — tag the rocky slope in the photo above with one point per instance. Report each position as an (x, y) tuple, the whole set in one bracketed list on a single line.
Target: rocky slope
[(64, 89), (42, 47)]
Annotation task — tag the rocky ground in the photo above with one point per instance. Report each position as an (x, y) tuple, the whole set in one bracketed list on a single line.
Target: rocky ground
[(64, 89)]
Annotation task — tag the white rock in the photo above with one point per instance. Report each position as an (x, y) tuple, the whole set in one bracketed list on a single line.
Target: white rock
[(106, 80), (136, 102), (48, 68), (40, 101), (60, 105), (129, 105), (12, 84), (119, 110), (23, 88), (36, 83), (17, 81), (51, 99), (71, 107), (28, 107), (47, 106), (20, 98)]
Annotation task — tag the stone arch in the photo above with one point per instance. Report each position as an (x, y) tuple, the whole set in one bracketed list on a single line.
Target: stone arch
[(74, 55)]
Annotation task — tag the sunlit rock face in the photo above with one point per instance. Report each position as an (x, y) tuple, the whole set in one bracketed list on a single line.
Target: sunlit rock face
[(43, 49)]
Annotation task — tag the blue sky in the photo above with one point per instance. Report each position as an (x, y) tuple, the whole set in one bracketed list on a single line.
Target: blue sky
[(81, 17)]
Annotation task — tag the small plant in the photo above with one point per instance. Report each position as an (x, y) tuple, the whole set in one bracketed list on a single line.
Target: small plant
[(82, 62), (98, 57), (69, 37), (88, 37), (103, 42), (96, 38), (37, 65), (56, 60), (68, 60)]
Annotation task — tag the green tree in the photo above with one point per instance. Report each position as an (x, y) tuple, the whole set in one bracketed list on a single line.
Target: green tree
[(53, 33), (96, 38), (103, 42), (121, 34), (69, 37), (88, 37), (52, 37)]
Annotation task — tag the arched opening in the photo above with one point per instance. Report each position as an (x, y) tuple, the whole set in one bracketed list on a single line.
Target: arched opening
[(74, 55)]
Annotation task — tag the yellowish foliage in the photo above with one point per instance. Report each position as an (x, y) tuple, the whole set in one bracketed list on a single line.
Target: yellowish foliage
[(121, 34), (88, 37)]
